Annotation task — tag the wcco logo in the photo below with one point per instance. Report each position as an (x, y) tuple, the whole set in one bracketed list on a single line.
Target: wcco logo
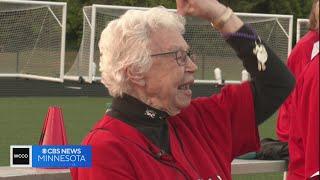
[(20, 156)]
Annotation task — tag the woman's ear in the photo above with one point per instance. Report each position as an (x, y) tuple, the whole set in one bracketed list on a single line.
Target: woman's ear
[(135, 78)]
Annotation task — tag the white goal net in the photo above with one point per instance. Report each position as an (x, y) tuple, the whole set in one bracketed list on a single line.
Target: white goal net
[(211, 49), (32, 39), (302, 28)]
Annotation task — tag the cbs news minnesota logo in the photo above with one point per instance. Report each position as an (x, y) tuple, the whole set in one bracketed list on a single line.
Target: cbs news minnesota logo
[(51, 156), (20, 156)]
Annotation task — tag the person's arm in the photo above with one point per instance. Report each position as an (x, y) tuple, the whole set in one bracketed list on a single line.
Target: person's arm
[(270, 87)]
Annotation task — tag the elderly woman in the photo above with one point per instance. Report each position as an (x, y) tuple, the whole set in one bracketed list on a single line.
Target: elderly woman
[(153, 129)]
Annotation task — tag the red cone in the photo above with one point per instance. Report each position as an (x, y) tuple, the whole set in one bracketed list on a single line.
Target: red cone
[(53, 130)]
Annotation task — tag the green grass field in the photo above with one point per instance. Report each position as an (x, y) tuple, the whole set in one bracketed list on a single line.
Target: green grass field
[(21, 122)]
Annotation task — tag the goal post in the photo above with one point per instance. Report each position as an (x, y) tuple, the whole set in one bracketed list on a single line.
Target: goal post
[(81, 66), (212, 50), (302, 28), (32, 39)]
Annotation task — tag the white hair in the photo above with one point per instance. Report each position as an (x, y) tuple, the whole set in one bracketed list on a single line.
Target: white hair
[(124, 44)]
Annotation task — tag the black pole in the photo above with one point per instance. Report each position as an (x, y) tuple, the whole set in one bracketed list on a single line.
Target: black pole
[(203, 66), (17, 67)]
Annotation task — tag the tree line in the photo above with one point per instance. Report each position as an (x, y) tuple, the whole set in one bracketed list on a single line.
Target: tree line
[(298, 8)]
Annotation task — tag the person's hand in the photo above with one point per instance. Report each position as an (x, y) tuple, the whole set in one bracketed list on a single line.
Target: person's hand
[(210, 10), (206, 9)]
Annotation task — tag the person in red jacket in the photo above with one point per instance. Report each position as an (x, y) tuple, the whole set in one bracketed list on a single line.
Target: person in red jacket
[(153, 129), (303, 112), (304, 125), (298, 59)]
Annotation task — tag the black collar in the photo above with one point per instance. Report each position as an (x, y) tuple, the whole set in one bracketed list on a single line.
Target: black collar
[(148, 120), (135, 110)]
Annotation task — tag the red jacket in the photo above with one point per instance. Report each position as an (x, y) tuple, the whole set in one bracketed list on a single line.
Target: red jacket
[(204, 138), (298, 59), (304, 126)]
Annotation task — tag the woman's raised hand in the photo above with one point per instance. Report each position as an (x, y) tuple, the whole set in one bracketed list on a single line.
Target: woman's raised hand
[(205, 9)]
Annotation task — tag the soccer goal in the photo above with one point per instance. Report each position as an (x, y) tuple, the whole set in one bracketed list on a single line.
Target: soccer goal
[(302, 28), (32, 39), (211, 49)]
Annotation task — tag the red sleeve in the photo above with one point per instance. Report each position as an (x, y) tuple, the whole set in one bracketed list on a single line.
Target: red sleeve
[(295, 60), (245, 135), (283, 121), (108, 160), (229, 119)]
